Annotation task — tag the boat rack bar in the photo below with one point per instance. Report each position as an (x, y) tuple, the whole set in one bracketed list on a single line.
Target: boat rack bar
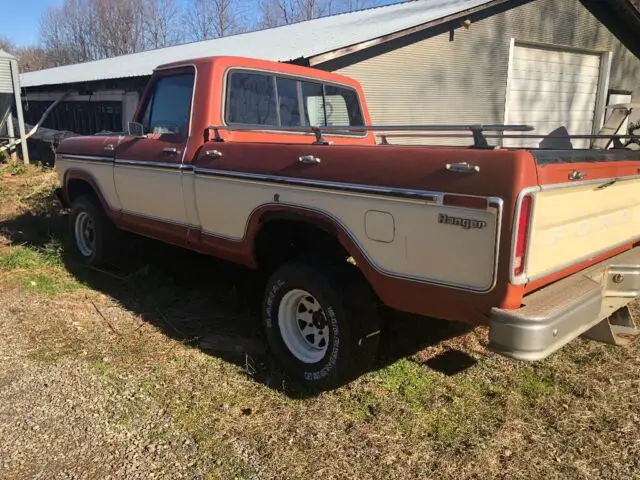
[(461, 135), (399, 131), (477, 131)]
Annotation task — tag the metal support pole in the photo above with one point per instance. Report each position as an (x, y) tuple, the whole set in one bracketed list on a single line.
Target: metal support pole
[(12, 135), (16, 89)]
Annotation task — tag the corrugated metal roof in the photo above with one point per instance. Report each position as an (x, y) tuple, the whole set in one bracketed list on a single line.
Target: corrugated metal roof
[(289, 42)]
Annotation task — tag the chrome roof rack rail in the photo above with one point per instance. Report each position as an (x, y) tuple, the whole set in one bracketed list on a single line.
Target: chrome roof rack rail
[(477, 131)]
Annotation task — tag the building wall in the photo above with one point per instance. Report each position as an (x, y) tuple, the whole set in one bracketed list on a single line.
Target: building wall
[(6, 78), (461, 77), (127, 99)]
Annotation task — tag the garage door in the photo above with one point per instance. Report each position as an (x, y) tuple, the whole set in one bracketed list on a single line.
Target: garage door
[(551, 90)]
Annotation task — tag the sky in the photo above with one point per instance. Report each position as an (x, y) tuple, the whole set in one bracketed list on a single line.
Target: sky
[(22, 19), (24, 24)]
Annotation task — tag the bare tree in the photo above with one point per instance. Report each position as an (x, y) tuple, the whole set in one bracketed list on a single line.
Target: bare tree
[(30, 58), (82, 30), (274, 13), (6, 45), (353, 5), (119, 26), (206, 19), (68, 32), (33, 58), (162, 23), (310, 9)]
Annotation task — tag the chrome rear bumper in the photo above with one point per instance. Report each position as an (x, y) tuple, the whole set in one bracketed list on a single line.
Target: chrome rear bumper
[(579, 304)]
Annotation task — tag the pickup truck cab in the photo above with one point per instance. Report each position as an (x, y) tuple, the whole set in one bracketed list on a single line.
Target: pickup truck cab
[(277, 167)]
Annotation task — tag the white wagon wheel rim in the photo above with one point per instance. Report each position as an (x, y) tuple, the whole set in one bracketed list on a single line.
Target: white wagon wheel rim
[(303, 326), (85, 233)]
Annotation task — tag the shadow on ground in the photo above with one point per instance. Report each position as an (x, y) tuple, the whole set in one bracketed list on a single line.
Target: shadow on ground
[(215, 306)]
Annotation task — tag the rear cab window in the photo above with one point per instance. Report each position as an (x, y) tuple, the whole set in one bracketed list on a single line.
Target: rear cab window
[(260, 98)]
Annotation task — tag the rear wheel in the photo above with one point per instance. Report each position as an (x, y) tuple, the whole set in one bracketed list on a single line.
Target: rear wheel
[(93, 235), (321, 323)]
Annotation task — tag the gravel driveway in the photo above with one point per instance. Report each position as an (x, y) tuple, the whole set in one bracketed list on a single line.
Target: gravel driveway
[(60, 419)]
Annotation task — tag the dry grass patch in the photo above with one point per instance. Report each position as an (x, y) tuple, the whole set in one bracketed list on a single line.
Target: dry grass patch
[(444, 408)]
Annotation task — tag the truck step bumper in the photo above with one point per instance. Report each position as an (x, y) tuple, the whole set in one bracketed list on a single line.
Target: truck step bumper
[(591, 302)]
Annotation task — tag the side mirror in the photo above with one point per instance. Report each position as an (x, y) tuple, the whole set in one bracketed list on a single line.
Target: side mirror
[(135, 129)]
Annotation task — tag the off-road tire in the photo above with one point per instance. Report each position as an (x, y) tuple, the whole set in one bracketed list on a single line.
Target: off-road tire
[(351, 312)]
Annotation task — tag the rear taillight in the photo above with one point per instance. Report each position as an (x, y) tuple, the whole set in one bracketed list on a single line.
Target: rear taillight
[(524, 217)]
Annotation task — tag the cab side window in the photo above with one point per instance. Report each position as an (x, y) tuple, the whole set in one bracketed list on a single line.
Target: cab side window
[(342, 106), (169, 108), (251, 99), (273, 100), (289, 102)]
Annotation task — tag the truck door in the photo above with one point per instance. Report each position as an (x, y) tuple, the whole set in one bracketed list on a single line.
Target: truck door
[(148, 169)]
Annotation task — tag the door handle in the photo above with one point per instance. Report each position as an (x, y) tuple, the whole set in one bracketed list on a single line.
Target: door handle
[(213, 153), (462, 167), (309, 160), (577, 175), (109, 148), (171, 151)]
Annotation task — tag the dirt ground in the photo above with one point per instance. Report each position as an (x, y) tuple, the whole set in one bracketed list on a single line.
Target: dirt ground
[(154, 368)]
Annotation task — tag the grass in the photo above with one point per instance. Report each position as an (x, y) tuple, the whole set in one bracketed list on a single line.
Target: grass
[(27, 189), (23, 257), (13, 168), (408, 380), (534, 386), (139, 329), (38, 269)]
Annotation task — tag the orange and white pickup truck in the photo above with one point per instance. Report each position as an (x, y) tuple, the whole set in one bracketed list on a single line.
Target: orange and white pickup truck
[(277, 167)]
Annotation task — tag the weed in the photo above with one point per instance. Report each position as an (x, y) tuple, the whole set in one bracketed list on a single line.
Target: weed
[(446, 430), (41, 201), (13, 168), (20, 258), (100, 367), (28, 258), (408, 379), (533, 385), (52, 252)]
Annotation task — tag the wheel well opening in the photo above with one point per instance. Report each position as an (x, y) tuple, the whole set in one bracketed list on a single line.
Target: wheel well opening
[(282, 240), (77, 188)]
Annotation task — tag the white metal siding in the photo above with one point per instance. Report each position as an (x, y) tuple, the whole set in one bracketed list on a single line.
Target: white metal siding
[(464, 79), (552, 89), (6, 82)]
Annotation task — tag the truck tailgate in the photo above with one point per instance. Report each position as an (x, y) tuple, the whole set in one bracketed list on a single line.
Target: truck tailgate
[(580, 211)]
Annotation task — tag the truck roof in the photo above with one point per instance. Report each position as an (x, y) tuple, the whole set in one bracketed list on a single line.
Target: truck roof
[(225, 62)]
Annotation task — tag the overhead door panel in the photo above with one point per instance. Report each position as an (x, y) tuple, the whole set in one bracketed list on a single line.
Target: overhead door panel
[(552, 90)]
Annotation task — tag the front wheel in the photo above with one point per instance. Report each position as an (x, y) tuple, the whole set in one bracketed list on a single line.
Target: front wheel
[(93, 235), (321, 323)]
